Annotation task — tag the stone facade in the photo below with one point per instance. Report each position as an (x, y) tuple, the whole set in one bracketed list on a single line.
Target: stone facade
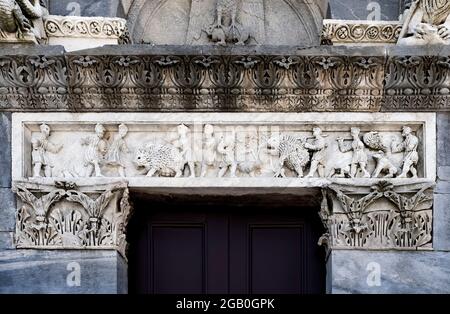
[(227, 100)]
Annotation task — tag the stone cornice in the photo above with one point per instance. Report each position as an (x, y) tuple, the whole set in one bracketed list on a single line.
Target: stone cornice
[(172, 78)]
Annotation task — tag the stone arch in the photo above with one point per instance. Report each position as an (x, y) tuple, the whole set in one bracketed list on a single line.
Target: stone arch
[(180, 22)]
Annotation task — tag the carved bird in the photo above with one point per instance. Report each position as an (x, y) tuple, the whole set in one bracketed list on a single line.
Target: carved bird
[(16, 16), (226, 12)]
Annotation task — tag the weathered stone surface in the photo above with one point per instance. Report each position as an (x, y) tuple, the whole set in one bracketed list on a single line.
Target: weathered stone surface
[(6, 240), (5, 152), (7, 209), (85, 7), (443, 144), (353, 32), (441, 238), (84, 32), (29, 271), (386, 10), (343, 79), (256, 22), (401, 272), (426, 23), (70, 160)]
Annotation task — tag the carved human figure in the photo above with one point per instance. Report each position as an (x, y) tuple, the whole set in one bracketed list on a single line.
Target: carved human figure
[(226, 148), (427, 22), (359, 158), (118, 146), (41, 146), (184, 144), (94, 155), (209, 149), (318, 146), (409, 147)]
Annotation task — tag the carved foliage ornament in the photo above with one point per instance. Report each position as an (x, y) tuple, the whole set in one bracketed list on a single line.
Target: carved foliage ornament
[(232, 83), (354, 223), (67, 218)]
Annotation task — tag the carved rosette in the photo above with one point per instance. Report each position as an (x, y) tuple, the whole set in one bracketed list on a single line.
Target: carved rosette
[(64, 217), (84, 27), (383, 217), (360, 32)]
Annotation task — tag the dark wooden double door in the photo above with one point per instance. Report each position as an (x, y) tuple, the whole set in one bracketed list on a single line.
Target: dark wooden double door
[(192, 248)]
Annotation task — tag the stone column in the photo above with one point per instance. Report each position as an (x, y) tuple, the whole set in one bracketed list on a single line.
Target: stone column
[(69, 239)]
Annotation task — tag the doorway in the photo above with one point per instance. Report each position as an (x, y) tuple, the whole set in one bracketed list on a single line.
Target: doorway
[(224, 246)]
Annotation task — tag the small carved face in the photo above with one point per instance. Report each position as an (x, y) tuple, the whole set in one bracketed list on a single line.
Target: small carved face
[(406, 131), (45, 129), (354, 132), (123, 130), (273, 145), (209, 129), (140, 158), (100, 130), (317, 131), (182, 130)]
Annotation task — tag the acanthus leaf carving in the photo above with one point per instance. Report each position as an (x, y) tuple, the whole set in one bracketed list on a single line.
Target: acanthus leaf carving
[(357, 224), (96, 222), (239, 82)]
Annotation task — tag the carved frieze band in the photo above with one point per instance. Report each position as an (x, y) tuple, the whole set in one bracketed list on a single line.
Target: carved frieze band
[(89, 27), (63, 216), (360, 32), (208, 150), (382, 218), (224, 83)]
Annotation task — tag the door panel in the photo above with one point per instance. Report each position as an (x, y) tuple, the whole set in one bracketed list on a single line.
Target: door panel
[(178, 259), (276, 254), (239, 250)]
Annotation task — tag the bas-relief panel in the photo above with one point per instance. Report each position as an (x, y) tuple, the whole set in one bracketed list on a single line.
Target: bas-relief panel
[(227, 21), (376, 171), (225, 149)]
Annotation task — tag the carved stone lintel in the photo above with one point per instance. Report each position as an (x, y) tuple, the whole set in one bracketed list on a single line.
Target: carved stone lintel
[(382, 218), (55, 218)]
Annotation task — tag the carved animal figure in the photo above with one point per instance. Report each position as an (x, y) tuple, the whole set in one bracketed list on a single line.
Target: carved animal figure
[(226, 28), (251, 167), (383, 165), (426, 22), (163, 159), (16, 16), (291, 151), (375, 141)]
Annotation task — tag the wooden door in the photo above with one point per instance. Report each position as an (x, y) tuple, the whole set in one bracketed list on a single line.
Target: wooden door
[(190, 248)]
